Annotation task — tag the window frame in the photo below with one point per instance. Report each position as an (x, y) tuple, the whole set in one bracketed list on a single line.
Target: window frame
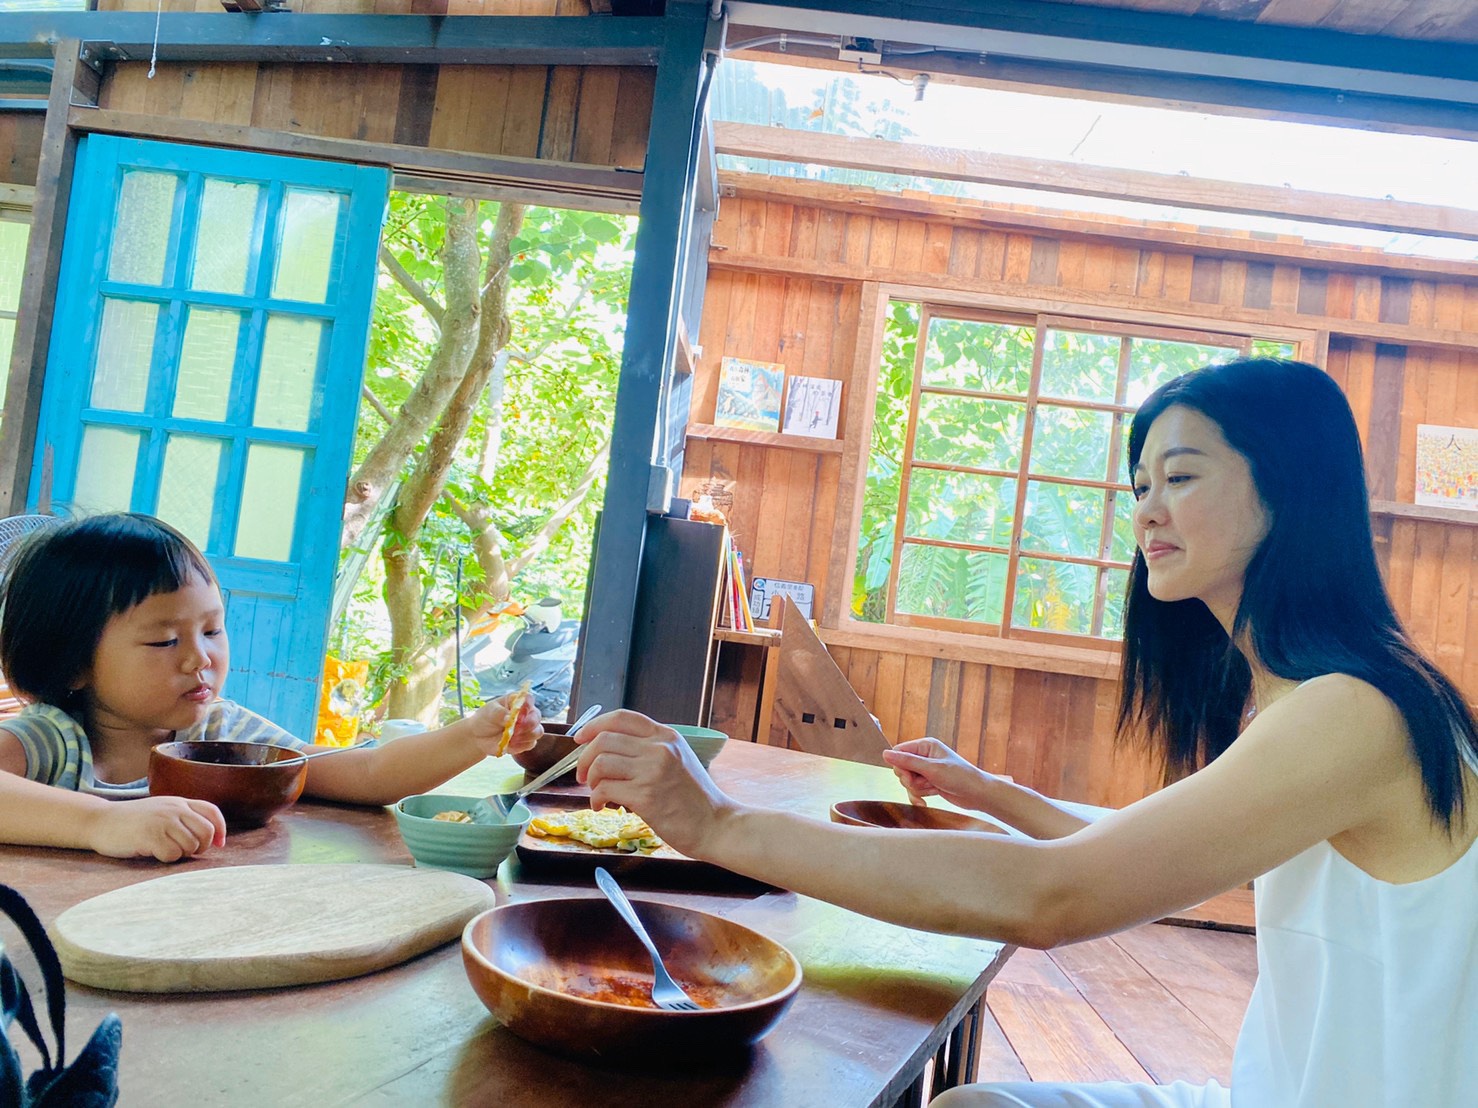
[(1083, 316), (16, 205)]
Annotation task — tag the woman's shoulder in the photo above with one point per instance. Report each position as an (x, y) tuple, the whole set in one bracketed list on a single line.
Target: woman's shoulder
[(1346, 714)]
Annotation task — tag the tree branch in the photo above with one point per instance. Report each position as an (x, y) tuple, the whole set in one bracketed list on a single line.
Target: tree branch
[(385, 413), (411, 285), (550, 527), (558, 330)]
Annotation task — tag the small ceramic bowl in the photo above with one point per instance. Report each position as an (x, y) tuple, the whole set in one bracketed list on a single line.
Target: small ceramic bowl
[(556, 743), (249, 782), (890, 813), (569, 975), (476, 849)]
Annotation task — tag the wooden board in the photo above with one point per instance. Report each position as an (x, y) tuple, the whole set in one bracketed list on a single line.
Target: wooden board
[(814, 702), (256, 927), (564, 858)]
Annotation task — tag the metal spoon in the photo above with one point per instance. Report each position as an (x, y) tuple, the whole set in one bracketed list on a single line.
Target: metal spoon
[(495, 808)]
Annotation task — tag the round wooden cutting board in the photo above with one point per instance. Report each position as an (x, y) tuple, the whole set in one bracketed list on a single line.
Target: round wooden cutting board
[(257, 927)]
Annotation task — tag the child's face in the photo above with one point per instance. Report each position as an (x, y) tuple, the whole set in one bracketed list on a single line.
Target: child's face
[(160, 664)]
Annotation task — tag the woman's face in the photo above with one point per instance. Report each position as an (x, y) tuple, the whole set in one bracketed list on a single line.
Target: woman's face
[(1198, 517)]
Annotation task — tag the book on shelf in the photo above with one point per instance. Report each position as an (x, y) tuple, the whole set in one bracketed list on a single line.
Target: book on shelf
[(734, 609), (812, 407), (749, 394)]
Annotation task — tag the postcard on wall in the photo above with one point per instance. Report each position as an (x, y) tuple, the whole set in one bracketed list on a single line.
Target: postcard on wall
[(813, 407), (1447, 467), (749, 394), (763, 591)]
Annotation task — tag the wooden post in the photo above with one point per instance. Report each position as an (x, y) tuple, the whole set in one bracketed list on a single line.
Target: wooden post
[(74, 81)]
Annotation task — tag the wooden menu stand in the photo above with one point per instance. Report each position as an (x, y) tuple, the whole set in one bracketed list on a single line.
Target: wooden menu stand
[(814, 706)]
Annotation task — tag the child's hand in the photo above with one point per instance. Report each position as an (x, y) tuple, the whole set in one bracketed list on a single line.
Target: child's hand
[(167, 827), (492, 720)]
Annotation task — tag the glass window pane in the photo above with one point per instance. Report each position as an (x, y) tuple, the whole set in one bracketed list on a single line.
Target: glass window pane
[(207, 357), (142, 227), (7, 340), (1062, 519), (991, 357), (225, 236), (1054, 596), (1152, 362), (289, 372), (105, 469), (1116, 583), (1071, 442), (13, 235), (1122, 548), (269, 502), (305, 248), (960, 507), (1080, 366), (959, 430), (1268, 348), (948, 583), (187, 487), (120, 377)]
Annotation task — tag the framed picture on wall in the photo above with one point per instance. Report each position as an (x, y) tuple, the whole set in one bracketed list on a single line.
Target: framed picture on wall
[(1447, 467)]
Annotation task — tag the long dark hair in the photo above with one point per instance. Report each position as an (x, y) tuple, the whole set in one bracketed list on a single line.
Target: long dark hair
[(1312, 602), (67, 581)]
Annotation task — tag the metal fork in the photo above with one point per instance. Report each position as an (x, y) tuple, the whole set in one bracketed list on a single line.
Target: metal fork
[(666, 993)]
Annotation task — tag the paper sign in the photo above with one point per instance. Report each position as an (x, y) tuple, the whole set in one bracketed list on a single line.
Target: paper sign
[(762, 590)]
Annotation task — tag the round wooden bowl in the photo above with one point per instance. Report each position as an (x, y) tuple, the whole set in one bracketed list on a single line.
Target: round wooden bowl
[(890, 813), (545, 968), (249, 782)]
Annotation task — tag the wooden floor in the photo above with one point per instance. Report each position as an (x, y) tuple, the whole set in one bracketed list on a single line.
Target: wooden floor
[(1159, 1003)]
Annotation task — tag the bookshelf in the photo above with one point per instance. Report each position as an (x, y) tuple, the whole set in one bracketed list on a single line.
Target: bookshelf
[(710, 431)]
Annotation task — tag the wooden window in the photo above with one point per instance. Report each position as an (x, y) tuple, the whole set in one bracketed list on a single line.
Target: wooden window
[(996, 499), (15, 228)]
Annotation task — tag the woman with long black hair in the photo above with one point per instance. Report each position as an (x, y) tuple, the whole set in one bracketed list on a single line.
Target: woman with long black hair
[(1307, 744)]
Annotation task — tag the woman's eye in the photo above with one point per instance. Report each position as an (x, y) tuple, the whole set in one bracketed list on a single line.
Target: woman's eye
[(1178, 478), (1139, 491)]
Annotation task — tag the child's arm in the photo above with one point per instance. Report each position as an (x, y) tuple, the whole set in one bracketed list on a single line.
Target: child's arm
[(165, 827), (418, 763)]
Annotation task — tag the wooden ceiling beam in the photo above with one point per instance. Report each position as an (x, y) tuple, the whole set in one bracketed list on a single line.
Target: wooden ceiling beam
[(1009, 171)]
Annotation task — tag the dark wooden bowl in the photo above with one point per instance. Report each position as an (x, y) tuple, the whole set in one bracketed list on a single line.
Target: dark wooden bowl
[(544, 968), (249, 782), (553, 746), (890, 813)]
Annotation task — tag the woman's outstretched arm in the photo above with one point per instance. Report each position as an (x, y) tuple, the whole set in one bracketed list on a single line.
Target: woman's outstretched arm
[(1328, 758)]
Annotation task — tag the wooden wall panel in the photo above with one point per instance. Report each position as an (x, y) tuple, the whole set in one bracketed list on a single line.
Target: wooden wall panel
[(20, 146), (597, 116), (786, 284)]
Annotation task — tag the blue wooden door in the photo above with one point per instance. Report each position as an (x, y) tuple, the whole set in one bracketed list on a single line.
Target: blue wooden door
[(205, 367)]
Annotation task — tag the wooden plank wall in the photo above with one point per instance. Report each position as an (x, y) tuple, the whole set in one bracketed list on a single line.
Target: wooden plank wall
[(785, 285), (20, 146), (597, 115)]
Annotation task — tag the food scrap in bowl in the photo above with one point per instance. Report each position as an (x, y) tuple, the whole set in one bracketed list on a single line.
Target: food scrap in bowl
[(454, 815)]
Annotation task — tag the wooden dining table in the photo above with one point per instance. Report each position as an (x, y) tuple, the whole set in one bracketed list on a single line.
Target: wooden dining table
[(878, 1003)]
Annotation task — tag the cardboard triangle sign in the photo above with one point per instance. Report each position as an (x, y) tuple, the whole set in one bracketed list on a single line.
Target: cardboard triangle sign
[(813, 701)]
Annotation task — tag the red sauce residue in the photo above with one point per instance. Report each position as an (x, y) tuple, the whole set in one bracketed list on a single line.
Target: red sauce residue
[(636, 992)]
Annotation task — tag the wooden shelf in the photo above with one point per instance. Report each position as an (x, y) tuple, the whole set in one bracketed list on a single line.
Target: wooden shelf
[(764, 438), (1400, 510), (760, 636)]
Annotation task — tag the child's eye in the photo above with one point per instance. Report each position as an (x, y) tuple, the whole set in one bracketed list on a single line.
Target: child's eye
[(215, 632), (164, 642)]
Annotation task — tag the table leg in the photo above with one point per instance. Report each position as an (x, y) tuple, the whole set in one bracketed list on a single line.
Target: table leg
[(913, 1096)]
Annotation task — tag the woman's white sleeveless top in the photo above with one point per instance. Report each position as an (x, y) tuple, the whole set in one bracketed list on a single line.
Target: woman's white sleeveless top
[(1367, 992)]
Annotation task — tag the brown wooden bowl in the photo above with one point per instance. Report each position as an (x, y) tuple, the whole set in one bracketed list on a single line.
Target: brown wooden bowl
[(553, 746), (891, 813), (546, 969), (249, 782)]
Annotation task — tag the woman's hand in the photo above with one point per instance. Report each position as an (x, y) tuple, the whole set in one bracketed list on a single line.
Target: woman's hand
[(165, 827), (634, 762), (492, 717), (927, 767)]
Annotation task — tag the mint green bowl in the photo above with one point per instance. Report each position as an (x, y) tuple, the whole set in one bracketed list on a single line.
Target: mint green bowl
[(705, 741), (475, 849)]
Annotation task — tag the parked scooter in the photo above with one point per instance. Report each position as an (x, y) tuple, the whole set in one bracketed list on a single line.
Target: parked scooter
[(540, 650)]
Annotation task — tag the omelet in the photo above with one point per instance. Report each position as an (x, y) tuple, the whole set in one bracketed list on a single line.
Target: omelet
[(515, 706), (609, 827)]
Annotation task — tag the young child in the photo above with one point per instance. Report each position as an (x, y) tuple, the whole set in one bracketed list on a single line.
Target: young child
[(113, 631)]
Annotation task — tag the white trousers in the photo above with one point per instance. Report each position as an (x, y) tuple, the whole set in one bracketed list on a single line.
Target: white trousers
[(1113, 1094)]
